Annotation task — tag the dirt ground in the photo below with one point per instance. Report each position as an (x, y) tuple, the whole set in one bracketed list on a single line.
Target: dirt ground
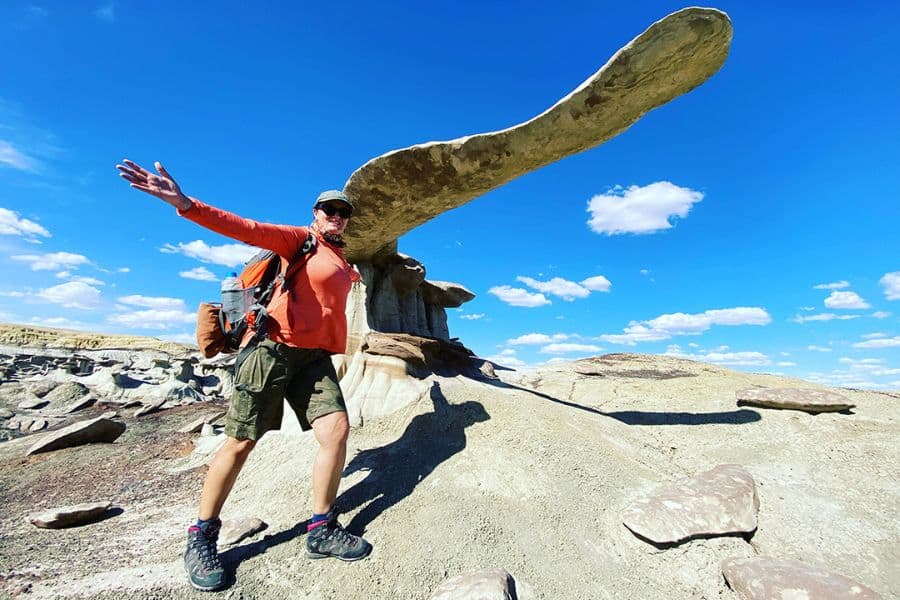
[(529, 473)]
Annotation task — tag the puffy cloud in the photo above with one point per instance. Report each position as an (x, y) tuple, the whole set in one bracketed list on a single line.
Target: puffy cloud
[(635, 333), (786, 363), (518, 296), (506, 358), (536, 338), (881, 314), (818, 348), (891, 284), (598, 283), (823, 317), (732, 359), (880, 342), (472, 317), (563, 288), (179, 338), (665, 326), (52, 261), (199, 273), (837, 285), (11, 224), (230, 255), (155, 302), (63, 323), (567, 348), (848, 300), (640, 209), (73, 294)]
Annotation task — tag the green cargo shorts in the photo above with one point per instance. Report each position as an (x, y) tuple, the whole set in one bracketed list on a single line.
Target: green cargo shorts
[(268, 373)]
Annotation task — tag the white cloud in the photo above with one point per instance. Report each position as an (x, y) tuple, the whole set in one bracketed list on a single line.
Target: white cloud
[(123, 270), (11, 156), (73, 294), (11, 224), (597, 283), (472, 317), (13, 294), (52, 261), (807, 308), (640, 209), (107, 12), (665, 326), (818, 348), (87, 280), (230, 255), (881, 314), (507, 358), (847, 300), (153, 319), (786, 363), (537, 338), (518, 297), (891, 284), (645, 271), (159, 303), (199, 273), (732, 359), (871, 336), (837, 285), (879, 343), (565, 289), (63, 323), (823, 317), (566, 348)]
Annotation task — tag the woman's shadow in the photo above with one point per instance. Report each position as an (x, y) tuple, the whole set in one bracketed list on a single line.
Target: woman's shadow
[(394, 470)]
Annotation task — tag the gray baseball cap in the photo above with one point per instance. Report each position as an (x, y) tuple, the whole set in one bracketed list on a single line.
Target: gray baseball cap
[(331, 195)]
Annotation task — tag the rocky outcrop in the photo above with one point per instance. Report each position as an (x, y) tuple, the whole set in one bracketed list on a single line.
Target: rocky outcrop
[(402, 189), (765, 578), (807, 400), (720, 501), (69, 516), (485, 584), (97, 430)]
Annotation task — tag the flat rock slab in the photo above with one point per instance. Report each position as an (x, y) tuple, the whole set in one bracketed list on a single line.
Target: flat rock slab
[(69, 516), (720, 501), (766, 578), (197, 424), (808, 400), (235, 530), (484, 584), (84, 432)]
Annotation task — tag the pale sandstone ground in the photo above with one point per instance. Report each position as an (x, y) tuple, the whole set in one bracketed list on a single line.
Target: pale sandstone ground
[(530, 474)]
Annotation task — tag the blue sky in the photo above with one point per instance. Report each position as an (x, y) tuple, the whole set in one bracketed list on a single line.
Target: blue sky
[(764, 204)]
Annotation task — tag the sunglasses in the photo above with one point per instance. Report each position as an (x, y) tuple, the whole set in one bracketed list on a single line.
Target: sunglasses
[(330, 209)]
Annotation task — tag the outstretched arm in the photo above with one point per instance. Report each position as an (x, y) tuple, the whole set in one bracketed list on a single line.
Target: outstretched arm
[(284, 240)]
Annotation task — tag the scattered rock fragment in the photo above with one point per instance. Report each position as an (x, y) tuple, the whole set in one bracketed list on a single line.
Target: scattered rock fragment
[(720, 501), (764, 577), (69, 516), (32, 402), (808, 400), (197, 424), (65, 394), (77, 405), (83, 432), (38, 424), (235, 530), (150, 407), (6, 413), (484, 584)]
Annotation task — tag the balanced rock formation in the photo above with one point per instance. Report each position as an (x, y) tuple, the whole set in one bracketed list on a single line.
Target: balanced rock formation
[(402, 189), (720, 501), (808, 400), (765, 578)]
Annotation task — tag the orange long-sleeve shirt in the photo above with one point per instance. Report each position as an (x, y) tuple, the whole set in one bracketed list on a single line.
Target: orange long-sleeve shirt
[(314, 316)]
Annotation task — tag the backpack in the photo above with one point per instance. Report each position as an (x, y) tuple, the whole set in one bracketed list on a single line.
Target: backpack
[(260, 274)]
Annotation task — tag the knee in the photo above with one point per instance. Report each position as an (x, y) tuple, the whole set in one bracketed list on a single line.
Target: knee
[(239, 448), (333, 429)]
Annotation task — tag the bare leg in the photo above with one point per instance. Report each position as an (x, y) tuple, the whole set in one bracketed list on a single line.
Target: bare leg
[(331, 432), (223, 472)]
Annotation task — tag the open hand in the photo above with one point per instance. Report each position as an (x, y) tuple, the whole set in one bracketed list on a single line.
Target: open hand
[(163, 186)]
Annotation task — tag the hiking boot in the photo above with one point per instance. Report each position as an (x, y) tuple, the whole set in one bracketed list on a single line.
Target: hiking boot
[(331, 539), (201, 558)]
